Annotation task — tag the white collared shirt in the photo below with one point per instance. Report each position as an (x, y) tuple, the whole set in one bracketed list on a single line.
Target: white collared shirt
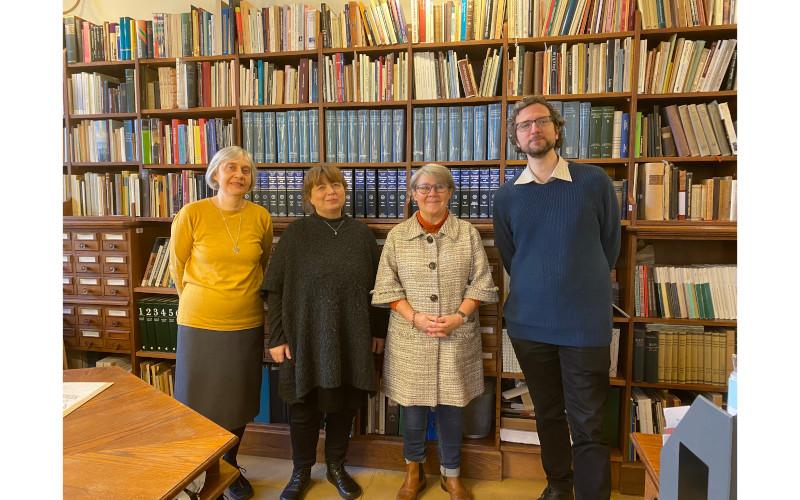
[(560, 172)]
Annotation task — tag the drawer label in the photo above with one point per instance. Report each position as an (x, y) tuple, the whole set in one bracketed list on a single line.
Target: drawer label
[(114, 236), (65, 236), (118, 313), (66, 258), (67, 281), (487, 355), (85, 236), (87, 259), (489, 330), (115, 259), (88, 281), (116, 282), (90, 333), (89, 312)]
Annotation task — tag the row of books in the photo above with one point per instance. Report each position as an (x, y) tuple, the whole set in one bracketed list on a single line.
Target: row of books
[(680, 65), (647, 408), (366, 79), (101, 194), (95, 93), (382, 416), (263, 83), (158, 326), (665, 192), (365, 23), (686, 292), (473, 196), (437, 75), (682, 354), (190, 85), (159, 374), (538, 18), (104, 141), (686, 13), (281, 137), (456, 20), (365, 135), (156, 273), (693, 130), (184, 142), (277, 28), (163, 195), (456, 133), (580, 68)]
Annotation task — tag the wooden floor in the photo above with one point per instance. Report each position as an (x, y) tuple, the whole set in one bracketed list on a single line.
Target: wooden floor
[(269, 475)]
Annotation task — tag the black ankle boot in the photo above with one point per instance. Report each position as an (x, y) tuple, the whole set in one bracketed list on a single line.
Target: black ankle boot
[(345, 484), (298, 484), (241, 489)]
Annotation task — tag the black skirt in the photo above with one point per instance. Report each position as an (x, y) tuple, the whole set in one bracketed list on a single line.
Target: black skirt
[(218, 373)]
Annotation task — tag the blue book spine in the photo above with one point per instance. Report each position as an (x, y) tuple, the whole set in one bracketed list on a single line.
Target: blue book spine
[(260, 82), (568, 17), (272, 192), (359, 193), (330, 136), (298, 192), (374, 135), (442, 148), (465, 193), (386, 135), (269, 137), (258, 184), (292, 136), (626, 125), (290, 193), (130, 140), (347, 173), (302, 128), (313, 135), (391, 193), (280, 137), (418, 138), (363, 135), (485, 193), (341, 136), (479, 133), (247, 126), (182, 144), (474, 193), (570, 145), (454, 139), (402, 192), (429, 148), (383, 193), (493, 139), (463, 20), (258, 137), (559, 106), (371, 186), (281, 180), (398, 134), (352, 136), (585, 113), (494, 185), (467, 122), (455, 200)]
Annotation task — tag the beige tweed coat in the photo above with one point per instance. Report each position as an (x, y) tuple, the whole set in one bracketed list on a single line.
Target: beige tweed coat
[(434, 273)]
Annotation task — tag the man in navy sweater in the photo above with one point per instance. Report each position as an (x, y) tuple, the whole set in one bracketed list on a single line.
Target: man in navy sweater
[(558, 231)]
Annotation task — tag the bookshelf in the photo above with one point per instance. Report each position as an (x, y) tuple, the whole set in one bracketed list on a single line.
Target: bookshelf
[(679, 241)]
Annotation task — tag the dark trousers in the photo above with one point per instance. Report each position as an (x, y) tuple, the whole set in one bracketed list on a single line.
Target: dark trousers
[(574, 379), (230, 455), (304, 423)]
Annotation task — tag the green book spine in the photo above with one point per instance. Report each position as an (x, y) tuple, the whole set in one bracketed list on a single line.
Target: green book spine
[(142, 324), (149, 324), (637, 145), (606, 131), (164, 341), (595, 129), (173, 324)]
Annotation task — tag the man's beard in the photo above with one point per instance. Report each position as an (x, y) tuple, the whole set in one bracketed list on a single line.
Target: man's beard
[(538, 152)]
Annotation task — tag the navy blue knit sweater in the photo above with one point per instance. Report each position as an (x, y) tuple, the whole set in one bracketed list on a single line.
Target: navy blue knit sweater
[(558, 242)]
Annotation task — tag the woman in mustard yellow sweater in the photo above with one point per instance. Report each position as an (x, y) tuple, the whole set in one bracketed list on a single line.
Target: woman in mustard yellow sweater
[(218, 254)]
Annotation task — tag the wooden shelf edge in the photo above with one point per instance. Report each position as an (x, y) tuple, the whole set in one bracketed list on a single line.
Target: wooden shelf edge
[(686, 159), (684, 387), (218, 478), (509, 447), (719, 28), (104, 221), (155, 355), (584, 37), (685, 321), (155, 290), (687, 95)]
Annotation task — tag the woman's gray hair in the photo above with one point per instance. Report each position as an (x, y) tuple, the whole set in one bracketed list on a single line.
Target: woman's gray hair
[(439, 172), (226, 154)]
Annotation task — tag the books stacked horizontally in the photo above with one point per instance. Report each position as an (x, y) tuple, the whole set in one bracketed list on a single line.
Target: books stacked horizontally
[(365, 135), (665, 192), (101, 194), (581, 68), (156, 273), (685, 13), (681, 65), (281, 137), (365, 79), (456, 133), (158, 323), (159, 374), (263, 83), (538, 18), (104, 141), (686, 130), (123, 363), (190, 84), (686, 292), (184, 142), (361, 24), (95, 93), (435, 21), (682, 354), (437, 75), (517, 414), (277, 28)]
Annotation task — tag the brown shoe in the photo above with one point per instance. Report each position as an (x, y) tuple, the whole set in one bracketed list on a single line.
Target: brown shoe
[(414, 482), (455, 488)]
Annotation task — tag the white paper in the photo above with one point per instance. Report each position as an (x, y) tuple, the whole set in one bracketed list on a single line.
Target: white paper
[(77, 393), (672, 417)]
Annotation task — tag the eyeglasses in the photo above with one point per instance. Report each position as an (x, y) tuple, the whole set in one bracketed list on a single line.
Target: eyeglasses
[(540, 122), (426, 188)]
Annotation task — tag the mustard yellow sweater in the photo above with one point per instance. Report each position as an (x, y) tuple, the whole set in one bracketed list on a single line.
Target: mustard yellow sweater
[(219, 289)]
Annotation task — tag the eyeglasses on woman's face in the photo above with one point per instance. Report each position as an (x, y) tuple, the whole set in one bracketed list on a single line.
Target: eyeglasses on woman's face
[(426, 188)]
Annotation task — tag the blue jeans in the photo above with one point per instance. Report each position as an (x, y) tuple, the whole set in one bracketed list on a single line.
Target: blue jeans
[(449, 420)]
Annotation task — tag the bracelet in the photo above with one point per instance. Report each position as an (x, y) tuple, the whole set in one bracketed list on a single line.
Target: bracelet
[(414, 320)]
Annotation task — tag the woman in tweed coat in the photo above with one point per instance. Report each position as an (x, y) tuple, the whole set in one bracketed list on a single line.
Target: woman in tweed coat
[(434, 273)]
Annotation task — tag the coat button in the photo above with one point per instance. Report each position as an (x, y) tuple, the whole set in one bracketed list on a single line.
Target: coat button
[(434, 298), (432, 265), (430, 239)]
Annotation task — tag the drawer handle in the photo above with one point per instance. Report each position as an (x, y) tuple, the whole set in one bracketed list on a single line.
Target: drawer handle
[(82, 245), (112, 246), (83, 268), (115, 323), (84, 291), (113, 292), (112, 269)]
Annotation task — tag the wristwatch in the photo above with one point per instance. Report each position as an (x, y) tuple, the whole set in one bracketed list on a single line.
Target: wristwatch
[(467, 319)]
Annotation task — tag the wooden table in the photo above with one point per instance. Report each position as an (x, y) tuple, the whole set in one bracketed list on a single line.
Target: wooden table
[(648, 446), (133, 441)]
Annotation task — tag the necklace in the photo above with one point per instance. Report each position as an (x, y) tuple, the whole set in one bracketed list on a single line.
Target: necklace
[(335, 231), (230, 235)]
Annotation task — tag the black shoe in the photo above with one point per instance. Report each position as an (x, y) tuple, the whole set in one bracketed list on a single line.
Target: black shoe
[(551, 493), (345, 484), (241, 489), (298, 484)]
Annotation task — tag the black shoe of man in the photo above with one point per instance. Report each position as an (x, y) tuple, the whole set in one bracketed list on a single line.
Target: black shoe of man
[(551, 493), (298, 484), (241, 489), (345, 485)]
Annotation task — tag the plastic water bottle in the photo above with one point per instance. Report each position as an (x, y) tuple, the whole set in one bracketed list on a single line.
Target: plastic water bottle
[(732, 384)]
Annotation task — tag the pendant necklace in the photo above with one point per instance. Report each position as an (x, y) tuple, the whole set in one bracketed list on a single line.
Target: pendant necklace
[(335, 231), (230, 235)]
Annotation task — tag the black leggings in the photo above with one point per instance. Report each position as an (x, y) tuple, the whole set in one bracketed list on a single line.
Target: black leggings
[(230, 455)]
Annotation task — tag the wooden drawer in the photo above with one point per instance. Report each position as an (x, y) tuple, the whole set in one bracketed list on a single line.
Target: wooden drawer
[(68, 269), (489, 336), (118, 340), (114, 241), (114, 264), (89, 286), (69, 285), (116, 287), (90, 316), (85, 240), (67, 241), (117, 317), (70, 338), (70, 315), (488, 310), (87, 263), (91, 337), (489, 363)]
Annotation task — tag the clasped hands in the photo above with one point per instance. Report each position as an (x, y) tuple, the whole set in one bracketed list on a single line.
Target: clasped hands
[(436, 326), (281, 353)]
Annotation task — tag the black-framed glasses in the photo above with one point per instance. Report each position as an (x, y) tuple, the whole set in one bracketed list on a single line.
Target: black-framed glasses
[(540, 122), (426, 188)]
